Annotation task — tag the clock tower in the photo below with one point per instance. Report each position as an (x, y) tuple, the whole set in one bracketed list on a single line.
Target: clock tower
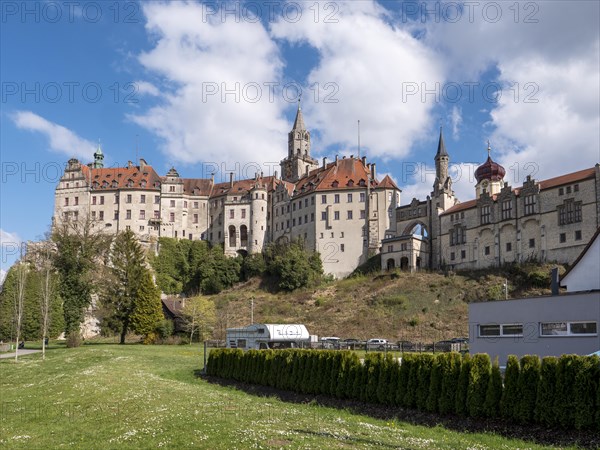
[(298, 161)]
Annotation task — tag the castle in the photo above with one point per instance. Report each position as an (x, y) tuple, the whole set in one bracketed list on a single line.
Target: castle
[(342, 210), (549, 220), (338, 208)]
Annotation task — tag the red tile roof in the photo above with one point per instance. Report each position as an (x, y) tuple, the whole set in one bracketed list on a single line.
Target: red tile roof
[(387, 183), (346, 173), (131, 177), (197, 186)]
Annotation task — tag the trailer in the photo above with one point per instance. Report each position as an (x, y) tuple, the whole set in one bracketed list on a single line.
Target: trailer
[(264, 336)]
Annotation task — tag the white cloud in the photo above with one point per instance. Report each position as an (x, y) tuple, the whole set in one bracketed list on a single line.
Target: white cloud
[(2, 276), (196, 55), (554, 60), (370, 62), (456, 118), (146, 88), (9, 239), (60, 139)]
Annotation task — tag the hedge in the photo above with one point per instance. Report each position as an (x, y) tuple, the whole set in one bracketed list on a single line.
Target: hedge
[(555, 392)]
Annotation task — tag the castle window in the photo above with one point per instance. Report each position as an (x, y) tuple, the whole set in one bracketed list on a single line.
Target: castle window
[(312, 217), (244, 213), (195, 218), (390, 248), (66, 201), (172, 203), (102, 199), (462, 215), (562, 237), (336, 198), (321, 236), (128, 214), (116, 216), (531, 243), (142, 215), (157, 199), (306, 203), (324, 215), (185, 205), (323, 199), (196, 205), (349, 198), (486, 250), (362, 197), (452, 256), (312, 200), (569, 212), (509, 246), (335, 184), (529, 202), (305, 218), (93, 215), (128, 200), (156, 214), (142, 198), (575, 188), (349, 215), (293, 222), (232, 213), (577, 235), (561, 191), (507, 209), (172, 218), (300, 220), (342, 247), (115, 184), (171, 188), (101, 215), (336, 215), (485, 214), (568, 189), (403, 247), (362, 214), (463, 254)]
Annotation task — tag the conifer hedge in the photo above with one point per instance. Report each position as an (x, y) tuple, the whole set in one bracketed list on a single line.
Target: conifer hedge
[(557, 392)]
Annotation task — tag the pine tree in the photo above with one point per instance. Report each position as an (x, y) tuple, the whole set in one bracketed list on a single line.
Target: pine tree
[(147, 310), (494, 392), (510, 394)]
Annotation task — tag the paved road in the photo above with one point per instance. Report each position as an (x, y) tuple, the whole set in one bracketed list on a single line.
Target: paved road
[(21, 353)]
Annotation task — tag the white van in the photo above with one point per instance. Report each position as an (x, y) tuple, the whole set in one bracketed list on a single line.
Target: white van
[(263, 336)]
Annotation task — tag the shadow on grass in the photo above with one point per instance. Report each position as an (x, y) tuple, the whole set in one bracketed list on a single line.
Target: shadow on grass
[(532, 433)]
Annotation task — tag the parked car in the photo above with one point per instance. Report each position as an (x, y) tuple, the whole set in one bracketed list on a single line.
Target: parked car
[(376, 343), (351, 343), (330, 342)]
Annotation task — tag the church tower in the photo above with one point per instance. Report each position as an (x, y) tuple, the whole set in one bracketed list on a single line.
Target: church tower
[(442, 194), (298, 162)]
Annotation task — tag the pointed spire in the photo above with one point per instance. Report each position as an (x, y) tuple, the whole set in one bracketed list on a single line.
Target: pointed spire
[(299, 122), (489, 149), (441, 151)]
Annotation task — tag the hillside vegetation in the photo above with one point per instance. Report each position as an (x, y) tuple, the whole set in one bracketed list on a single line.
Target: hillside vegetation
[(417, 307)]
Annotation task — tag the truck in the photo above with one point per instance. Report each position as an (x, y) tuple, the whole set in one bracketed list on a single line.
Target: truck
[(262, 336)]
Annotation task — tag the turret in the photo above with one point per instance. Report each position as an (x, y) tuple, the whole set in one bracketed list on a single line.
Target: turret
[(489, 176)]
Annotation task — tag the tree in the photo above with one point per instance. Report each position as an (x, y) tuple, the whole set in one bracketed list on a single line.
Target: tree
[(200, 316), (81, 251), (131, 295), (22, 270), (147, 310), (293, 265)]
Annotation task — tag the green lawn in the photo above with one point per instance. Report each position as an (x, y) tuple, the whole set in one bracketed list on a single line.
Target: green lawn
[(106, 396)]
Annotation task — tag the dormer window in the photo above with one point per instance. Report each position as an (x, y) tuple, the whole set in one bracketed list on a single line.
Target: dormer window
[(143, 183), (129, 183), (335, 184), (115, 184), (350, 183), (105, 184)]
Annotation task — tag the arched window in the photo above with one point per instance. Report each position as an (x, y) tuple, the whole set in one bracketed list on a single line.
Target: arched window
[(232, 237), (244, 236), (404, 263), (391, 264)]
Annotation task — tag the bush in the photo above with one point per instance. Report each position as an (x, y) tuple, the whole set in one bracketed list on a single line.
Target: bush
[(435, 386), (462, 387), (410, 397), (544, 405), (73, 339), (564, 401), (529, 380), (165, 328), (585, 392), (479, 377), (424, 379), (510, 395), (494, 392), (450, 363), (403, 376)]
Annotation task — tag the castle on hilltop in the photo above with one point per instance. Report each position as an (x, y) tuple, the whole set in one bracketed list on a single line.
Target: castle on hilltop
[(338, 208), (342, 210)]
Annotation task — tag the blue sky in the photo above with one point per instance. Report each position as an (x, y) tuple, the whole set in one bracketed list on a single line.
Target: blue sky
[(214, 85)]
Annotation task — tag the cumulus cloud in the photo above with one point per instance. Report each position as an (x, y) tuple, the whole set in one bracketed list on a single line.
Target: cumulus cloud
[(547, 56), (8, 239), (456, 119), (370, 62), (2, 276), (60, 139), (215, 102), (146, 88)]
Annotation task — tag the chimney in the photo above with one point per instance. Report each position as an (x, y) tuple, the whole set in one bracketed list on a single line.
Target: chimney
[(307, 170), (351, 156), (324, 162), (212, 178), (231, 179), (336, 160), (344, 157), (142, 164), (373, 172), (554, 280), (364, 160), (261, 175), (129, 164)]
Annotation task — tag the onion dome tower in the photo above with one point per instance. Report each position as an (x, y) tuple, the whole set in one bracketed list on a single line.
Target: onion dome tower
[(489, 176)]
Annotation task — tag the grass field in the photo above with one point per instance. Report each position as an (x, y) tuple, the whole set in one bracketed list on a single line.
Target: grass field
[(106, 396)]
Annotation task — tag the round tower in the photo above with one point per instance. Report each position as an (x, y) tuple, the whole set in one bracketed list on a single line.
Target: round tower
[(258, 217)]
